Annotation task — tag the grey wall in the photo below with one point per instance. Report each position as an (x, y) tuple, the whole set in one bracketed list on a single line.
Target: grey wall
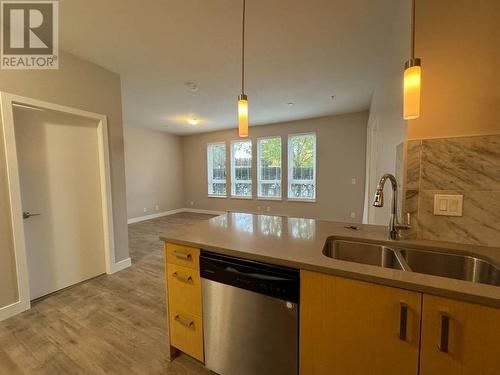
[(78, 84), (153, 165), (341, 144)]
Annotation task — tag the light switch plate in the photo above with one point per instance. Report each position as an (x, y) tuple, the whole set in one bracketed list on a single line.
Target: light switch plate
[(448, 205)]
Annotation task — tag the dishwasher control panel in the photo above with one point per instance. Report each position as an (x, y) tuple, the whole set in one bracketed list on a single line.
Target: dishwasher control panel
[(274, 281)]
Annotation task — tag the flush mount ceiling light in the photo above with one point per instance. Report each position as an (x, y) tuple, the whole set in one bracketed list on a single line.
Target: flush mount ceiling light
[(243, 99), (412, 78), (193, 121)]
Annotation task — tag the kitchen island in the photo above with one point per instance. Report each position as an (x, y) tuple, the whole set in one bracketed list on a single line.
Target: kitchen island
[(370, 303)]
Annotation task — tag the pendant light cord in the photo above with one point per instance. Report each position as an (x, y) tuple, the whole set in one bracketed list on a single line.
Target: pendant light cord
[(243, 52), (413, 29)]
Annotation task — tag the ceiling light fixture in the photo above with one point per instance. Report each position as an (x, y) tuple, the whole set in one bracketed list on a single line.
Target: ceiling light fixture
[(290, 104), (243, 99), (412, 78), (193, 121)]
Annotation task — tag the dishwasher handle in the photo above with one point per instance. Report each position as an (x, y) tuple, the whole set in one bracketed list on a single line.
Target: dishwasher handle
[(254, 275)]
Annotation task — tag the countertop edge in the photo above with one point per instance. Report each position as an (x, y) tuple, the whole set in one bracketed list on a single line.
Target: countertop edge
[(362, 276)]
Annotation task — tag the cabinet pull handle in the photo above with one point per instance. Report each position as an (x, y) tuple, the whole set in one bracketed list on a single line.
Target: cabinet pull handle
[(180, 255), (185, 323), (445, 330), (186, 279), (403, 321)]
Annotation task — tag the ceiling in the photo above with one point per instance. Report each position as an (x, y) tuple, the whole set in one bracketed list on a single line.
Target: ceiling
[(297, 51)]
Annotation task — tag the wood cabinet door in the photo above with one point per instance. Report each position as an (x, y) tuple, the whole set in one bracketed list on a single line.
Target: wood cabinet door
[(357, 328), (459, 338)]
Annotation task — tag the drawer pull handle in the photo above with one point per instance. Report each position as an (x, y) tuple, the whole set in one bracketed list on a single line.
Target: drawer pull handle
[(403, 321), (186, 279), (445, 330), (185, 323), (181, 255)]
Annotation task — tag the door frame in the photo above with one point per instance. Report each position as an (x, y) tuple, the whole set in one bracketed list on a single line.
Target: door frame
[(7, 101)]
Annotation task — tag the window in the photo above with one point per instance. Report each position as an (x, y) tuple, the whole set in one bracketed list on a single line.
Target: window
[(269, 168), (241, 169), (302, 167), (216, 157)]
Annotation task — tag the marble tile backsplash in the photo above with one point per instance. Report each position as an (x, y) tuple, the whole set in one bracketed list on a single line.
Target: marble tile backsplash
[(469, 166)]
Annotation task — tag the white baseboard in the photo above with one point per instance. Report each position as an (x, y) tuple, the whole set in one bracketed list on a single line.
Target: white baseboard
[(121, 265), (13, 309), (200, 211), (154, 216)]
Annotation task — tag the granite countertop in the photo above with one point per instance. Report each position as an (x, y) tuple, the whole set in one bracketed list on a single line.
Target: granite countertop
[(298, 243)]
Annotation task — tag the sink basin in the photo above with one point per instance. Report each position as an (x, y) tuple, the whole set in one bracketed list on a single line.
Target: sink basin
[(455, 266), (362, 252)]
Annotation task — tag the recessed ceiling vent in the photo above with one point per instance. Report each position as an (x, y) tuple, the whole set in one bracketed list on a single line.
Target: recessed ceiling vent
[(192, 86)]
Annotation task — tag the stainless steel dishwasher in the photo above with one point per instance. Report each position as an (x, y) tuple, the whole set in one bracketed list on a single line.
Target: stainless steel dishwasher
[(250, 316)]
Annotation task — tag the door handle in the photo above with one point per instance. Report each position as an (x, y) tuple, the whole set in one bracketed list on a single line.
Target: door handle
[(403, 321), (185, 323), (186, 279), (445, 331), (180, 255), (27, 215)]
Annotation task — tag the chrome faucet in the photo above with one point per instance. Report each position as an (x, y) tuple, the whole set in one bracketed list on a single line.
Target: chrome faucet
[(394, 225)]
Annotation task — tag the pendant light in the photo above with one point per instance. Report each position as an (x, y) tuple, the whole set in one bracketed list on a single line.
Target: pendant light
[(412, 78), (243, 99)]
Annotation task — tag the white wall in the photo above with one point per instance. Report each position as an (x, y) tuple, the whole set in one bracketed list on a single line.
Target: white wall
[(386, 127), (459, 43), (153, 168)]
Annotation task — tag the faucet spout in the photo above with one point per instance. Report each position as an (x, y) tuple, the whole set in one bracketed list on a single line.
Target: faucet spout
[(394, 225)]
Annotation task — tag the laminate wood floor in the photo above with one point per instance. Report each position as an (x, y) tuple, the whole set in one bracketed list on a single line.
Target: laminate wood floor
[(113, 324)]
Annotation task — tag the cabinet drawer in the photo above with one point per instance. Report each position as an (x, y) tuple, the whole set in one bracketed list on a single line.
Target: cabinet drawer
[(186, 333), (183, 255), (184, 289)]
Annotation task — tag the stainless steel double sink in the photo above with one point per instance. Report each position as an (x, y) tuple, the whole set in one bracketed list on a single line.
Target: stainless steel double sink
[(456, 266)]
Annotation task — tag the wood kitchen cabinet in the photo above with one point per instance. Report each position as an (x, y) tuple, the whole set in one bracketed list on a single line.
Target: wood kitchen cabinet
[(357, 328), (459, 338), (184, 299)]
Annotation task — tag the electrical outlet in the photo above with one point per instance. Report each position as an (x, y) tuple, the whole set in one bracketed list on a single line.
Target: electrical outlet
[(157, 208), (353, 215), (145, 209), (353, 181), (191, 203), (448, 205)]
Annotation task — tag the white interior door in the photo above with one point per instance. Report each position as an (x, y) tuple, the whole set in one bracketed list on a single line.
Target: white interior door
[(59, 177)]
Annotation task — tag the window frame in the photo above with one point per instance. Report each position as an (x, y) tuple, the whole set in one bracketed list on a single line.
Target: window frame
[(290, 180), (259, 196), (232, 170), (210, 179)]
